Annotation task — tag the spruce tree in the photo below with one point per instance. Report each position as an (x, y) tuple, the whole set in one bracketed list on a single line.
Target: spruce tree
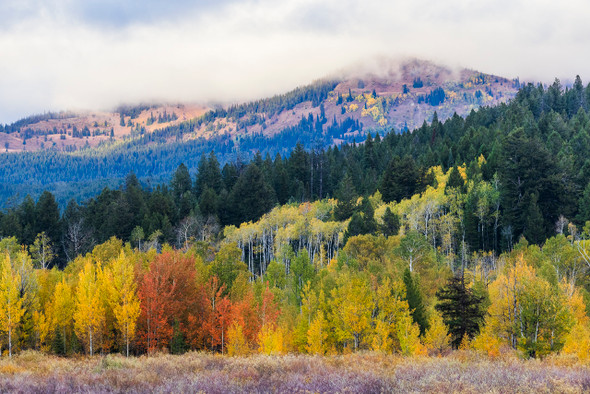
[(455, 180), (415, 302), (461, 309), (390, 224), (346, 195), (534, 229)]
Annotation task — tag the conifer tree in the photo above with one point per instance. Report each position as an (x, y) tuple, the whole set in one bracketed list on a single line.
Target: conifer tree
[(415, 301), (390, 224), (460, 308)]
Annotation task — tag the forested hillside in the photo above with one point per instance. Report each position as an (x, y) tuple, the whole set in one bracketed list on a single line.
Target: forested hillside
[(469, 233), (76, 155)]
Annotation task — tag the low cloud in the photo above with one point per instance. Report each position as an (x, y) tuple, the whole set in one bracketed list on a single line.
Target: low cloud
[(67, 54)]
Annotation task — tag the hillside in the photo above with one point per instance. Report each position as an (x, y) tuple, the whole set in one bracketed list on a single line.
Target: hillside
[(70, 131), (76, 155), (413, 244), (398, 97)]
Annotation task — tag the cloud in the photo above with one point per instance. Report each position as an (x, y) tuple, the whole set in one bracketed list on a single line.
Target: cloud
[(75, 54)]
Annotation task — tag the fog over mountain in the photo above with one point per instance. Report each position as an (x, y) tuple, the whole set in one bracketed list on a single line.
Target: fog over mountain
[(74, 54)]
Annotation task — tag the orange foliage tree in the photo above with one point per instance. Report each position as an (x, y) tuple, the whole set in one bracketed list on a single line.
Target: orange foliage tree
[(167, 294)]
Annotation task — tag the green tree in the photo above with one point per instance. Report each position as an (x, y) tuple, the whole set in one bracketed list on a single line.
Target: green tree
[(346, 195), (415, 300), (534, 230), (461, 309), (401, 179), (391, 223), (251, 196), (455, 180), (47, 216)]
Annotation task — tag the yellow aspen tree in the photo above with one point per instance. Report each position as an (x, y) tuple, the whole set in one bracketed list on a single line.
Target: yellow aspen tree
[(236, 340), (352, 308), (527, 311), (577, 342), (382, 341), (486, 342), (505, 294), (309, 302), (62, 307), (437, 338), (11, 302), (89, 315), (317, 335), (408, 335), (271, 340), (123, 298)]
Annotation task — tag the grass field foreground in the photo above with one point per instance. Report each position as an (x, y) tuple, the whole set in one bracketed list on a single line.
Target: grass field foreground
[(355, 373)]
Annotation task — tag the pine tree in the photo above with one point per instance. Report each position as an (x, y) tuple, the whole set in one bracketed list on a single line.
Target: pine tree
[(346, 196), (391, 223), (415, 302), (460, 308), (47, 217), (534, 229), (251, 196), (584, 206), (455, 180)]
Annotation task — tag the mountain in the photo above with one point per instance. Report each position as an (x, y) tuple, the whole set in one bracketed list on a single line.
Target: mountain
[(74, 155)]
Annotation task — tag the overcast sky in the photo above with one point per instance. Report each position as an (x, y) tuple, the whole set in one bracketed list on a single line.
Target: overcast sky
[(95, 54)]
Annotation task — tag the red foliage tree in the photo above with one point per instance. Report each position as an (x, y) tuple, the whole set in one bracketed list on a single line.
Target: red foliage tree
[(268, 311), (167, 293), (216, 312), (245, 312)]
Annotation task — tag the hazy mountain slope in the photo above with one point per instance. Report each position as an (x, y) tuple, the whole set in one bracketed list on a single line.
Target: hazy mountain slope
[(75, 155)]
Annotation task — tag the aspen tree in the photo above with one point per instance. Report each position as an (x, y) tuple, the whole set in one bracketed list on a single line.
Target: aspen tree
[(11, 302), (62, 307), (123, 298), (89, 314)]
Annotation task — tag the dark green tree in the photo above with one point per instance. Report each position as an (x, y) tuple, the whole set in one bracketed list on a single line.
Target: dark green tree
[(251, 196), (461, 309), (401, 179), (534, 230), (181, 182), (177, 342), (584, 207), (415, 300), (47, 216), (346, 195), (209, 203), (390, 224), (455, 180)]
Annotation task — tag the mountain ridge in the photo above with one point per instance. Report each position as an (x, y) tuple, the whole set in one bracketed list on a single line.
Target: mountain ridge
[(77, 156), (398, 97)]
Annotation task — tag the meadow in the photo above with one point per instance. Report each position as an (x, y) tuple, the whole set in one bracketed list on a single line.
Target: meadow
[(364, 372)]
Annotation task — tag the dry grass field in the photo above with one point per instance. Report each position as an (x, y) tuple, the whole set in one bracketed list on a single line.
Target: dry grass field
[(357, 373)]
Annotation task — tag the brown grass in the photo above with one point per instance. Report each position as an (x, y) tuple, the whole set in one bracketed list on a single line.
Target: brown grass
[(356, 373)]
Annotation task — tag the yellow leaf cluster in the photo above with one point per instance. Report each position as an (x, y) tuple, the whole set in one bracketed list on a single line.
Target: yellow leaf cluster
[(271, 340), (89, 314), (236, 341), (437, 338)]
